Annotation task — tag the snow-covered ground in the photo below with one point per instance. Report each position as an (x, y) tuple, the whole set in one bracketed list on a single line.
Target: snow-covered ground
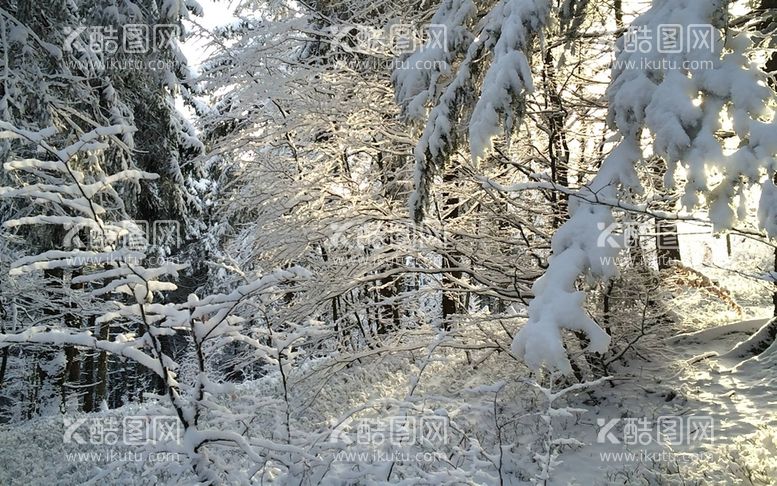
[(691, 402), (690, 375), (681, 377)]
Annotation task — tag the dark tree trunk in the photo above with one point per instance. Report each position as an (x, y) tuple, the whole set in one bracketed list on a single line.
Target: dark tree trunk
[(667, 243), (558, 148), (72, 372), (101, 387), (88, 374), (4, 359), (768, 14), (450, 301), (3, 365), (88, 377)]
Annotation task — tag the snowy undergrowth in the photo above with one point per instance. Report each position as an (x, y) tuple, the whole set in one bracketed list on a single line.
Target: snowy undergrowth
[(693, 373), (498, 427), (36, 453)]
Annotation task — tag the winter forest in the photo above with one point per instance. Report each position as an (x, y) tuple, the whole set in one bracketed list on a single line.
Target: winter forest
[(364, 242)]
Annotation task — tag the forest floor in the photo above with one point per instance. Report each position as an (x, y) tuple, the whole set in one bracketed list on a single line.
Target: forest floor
[(724, 411)]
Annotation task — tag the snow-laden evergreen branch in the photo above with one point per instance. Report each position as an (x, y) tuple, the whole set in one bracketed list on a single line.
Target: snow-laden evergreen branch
[(505, 37), (682, 107), (121, 272)]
